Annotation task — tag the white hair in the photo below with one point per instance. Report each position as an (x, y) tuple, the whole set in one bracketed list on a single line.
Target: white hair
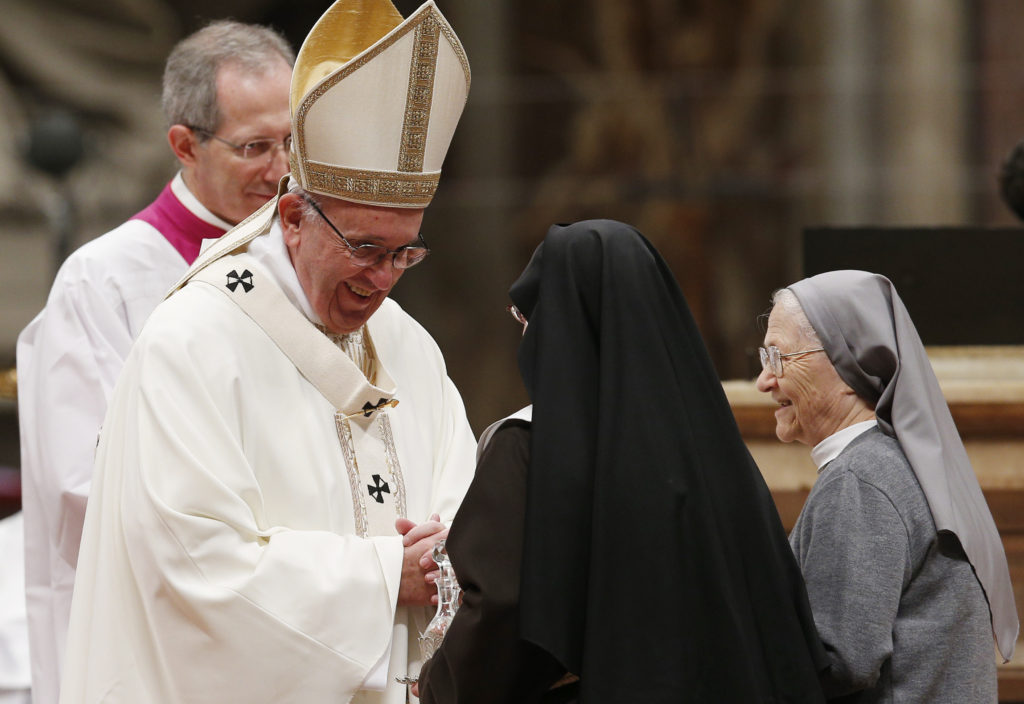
[(787, 300)]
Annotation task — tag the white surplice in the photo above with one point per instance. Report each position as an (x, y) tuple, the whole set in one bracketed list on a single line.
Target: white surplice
[(15, 673), (239, 543), (68, 359)]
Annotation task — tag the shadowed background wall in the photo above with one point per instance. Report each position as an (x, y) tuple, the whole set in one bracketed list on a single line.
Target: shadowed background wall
[(720, 129)]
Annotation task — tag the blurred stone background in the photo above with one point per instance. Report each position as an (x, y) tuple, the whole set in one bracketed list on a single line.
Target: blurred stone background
[(719, 129)]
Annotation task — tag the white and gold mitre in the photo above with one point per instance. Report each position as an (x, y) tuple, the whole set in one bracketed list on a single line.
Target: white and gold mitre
[(375, 101)]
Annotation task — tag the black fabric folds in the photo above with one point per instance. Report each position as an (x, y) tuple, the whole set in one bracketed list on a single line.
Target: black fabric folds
[(654, 563)]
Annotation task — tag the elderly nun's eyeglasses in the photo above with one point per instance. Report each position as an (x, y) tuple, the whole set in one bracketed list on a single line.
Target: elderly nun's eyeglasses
[(517, 314), (771, 358)]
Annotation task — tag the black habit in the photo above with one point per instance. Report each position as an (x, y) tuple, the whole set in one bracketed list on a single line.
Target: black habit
[(636, 544)]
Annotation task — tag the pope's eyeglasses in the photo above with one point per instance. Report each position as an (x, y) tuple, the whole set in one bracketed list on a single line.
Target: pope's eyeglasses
[(365, 255), (253, 149), (771, 358)]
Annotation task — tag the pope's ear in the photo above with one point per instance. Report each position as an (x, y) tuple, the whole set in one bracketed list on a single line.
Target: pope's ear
[(289, 207), (183, 143)]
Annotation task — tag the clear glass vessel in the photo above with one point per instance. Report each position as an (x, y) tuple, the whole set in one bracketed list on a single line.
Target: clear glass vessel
[(448, 596), (448, 593)]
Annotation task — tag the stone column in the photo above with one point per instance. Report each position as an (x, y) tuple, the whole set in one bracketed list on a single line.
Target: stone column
[(849, 55), (925, 113)]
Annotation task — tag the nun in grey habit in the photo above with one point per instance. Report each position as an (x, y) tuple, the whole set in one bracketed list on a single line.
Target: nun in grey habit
[(905, 570)]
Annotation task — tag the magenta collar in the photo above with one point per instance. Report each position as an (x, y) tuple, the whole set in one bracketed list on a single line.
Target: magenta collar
[(180, 226)]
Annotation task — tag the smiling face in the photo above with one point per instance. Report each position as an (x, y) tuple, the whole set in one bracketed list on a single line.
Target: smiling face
[(252, 106), (344, 295), (814, 402)]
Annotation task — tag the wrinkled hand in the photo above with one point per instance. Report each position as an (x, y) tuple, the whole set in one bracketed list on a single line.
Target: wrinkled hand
[(418, 568), (414, 532)]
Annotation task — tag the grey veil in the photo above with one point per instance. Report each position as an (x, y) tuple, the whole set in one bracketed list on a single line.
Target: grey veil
[(874, 346)]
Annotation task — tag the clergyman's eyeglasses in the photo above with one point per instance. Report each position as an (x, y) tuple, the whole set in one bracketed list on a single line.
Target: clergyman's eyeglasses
[(253, 149)]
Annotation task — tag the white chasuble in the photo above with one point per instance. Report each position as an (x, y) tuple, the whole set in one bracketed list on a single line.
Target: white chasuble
[(360, 406), (239, 543)]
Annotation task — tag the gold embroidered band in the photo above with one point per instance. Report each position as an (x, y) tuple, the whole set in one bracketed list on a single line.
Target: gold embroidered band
[(384, 187), (421, 91)]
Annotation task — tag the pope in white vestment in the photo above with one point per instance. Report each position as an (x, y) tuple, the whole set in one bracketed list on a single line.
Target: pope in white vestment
[(233, 551), (240, 542)]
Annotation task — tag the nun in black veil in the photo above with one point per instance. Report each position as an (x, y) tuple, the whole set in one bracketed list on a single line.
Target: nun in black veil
[(619, 546)]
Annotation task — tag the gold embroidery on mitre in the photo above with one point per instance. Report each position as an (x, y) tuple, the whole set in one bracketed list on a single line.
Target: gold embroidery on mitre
[(346, 29), (383, 187), (421, 91), (460, 53), (394, 188)]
